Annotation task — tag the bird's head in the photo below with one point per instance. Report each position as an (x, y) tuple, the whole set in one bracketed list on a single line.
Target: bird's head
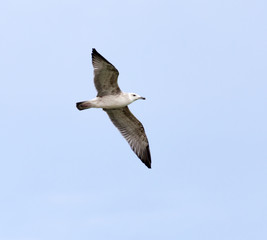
[(134, 96)]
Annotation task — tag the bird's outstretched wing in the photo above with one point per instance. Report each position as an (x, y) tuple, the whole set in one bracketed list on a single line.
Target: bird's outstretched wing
[(133, 131), (106, 76)]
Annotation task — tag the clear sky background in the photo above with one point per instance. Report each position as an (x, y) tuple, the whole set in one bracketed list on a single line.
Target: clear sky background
[(67, 174)]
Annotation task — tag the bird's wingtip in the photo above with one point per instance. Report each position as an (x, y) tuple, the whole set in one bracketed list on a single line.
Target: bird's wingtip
[(148, 164), (147, 161)]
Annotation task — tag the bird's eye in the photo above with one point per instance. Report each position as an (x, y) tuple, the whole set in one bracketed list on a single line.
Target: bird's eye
[(134, 95)]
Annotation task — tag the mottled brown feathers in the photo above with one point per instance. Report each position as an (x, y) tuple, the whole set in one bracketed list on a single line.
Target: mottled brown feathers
[(133, 131), (106, 76)]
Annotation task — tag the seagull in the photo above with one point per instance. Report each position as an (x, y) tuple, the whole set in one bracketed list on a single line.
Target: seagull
[(115, 103)]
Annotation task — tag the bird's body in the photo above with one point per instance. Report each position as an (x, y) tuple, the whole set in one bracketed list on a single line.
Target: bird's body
[(115, 103), (109, 101)]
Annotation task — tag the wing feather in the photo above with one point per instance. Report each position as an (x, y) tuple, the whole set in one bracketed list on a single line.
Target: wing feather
[(105, 76), (133, 131)]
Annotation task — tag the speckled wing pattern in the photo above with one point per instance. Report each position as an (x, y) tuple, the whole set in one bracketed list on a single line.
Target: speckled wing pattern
[(133, 131), (106, 76)]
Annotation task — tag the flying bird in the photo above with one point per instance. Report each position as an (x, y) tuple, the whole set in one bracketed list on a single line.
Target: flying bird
[(115, 103)]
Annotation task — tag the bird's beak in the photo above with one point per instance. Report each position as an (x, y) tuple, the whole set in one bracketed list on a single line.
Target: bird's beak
[(142, 98)]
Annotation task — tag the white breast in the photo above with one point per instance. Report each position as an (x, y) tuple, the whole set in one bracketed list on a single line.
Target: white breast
[(111, 101)]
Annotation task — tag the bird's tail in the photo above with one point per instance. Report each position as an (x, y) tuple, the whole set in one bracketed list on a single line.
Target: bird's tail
[(83, 105)]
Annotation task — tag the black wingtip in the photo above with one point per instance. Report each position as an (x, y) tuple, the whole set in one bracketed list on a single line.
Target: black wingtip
[(148, 165), (147, 160), (96, 54)]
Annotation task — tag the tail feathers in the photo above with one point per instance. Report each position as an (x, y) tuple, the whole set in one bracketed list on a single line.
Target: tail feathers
[(83, 105)]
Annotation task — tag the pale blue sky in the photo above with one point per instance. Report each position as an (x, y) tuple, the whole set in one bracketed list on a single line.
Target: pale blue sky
[(70, 175)]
